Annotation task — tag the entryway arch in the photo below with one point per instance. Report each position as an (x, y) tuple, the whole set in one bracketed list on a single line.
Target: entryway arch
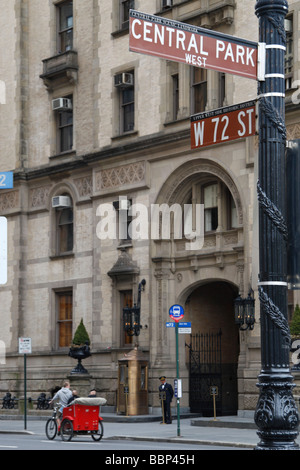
[(213, 347)]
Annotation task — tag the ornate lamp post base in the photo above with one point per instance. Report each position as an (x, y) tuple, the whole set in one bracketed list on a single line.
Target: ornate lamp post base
[(276, 414)]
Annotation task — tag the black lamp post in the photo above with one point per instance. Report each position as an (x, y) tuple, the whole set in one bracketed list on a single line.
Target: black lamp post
[(244, 311), (132, 315), (276, 413)]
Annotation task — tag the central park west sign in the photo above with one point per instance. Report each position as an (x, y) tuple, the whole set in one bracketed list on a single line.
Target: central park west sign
[(189, 44)]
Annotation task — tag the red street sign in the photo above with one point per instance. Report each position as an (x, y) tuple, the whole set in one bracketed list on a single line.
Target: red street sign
[(181, 42), (224, 124)]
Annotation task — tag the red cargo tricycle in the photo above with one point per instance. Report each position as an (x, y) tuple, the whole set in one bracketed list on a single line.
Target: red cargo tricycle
[(81, 417)]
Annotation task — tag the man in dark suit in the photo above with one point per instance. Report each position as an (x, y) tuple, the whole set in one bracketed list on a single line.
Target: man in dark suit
[(166, 394)]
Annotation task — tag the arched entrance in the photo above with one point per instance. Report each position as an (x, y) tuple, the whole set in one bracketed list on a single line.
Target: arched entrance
[(213, 348)]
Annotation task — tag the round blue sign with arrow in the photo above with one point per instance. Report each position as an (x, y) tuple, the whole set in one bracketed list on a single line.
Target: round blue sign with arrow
[(176, 312)]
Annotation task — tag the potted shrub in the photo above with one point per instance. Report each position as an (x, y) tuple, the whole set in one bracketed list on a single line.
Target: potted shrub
[(80, 348)]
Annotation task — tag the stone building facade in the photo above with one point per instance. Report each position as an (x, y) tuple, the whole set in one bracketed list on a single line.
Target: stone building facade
[(85, 122)]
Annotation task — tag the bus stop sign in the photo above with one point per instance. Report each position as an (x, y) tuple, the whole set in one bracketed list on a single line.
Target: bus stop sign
[(176, 312)]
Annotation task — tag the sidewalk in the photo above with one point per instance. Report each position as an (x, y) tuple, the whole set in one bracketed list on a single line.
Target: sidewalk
[(225, 431)]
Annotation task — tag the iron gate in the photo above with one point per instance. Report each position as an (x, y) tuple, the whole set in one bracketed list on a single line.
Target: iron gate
[(205, 371)]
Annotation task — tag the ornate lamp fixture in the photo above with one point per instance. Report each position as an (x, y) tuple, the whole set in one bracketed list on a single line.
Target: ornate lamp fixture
[(244, 311), (132, 315)]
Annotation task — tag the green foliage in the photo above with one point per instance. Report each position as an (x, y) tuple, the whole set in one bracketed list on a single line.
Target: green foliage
[(295, 323), (81, 335)]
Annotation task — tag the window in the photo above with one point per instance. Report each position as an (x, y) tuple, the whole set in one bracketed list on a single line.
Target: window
[(122, 206), (127, 109), (289, 60), (126, 301), (65, 26), (199, 90), (64, 230), (65, 129), (124, 82), (175, 84), (210, 200), (222, 89), (219, 206), (125, 6), (64, 309)]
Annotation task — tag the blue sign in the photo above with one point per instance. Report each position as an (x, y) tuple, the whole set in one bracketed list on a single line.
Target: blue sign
[(176, 312), (181, 324), (6, 180)]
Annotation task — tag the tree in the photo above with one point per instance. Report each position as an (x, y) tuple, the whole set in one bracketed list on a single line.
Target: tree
[(81, 336), (295, 323)]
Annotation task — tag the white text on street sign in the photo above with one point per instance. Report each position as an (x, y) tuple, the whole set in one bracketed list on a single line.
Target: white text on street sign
[(184, 324), (189, 44), (3, 250), (223, 124), (6, 180)]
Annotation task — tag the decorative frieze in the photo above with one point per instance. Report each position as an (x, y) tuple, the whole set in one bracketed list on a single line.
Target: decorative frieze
[(9, 201), (84, 186), (38, 197), (132, 174)]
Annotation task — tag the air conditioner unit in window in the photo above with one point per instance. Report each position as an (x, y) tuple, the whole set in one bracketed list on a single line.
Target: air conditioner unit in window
[(167, 3), (124, 80), (61, 104), (61, 202)]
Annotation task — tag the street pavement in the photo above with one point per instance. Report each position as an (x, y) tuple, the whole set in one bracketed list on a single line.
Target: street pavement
[(240, 433)]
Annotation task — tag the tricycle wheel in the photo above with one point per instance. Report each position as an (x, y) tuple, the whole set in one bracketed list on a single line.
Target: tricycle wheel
[(97, 435), (51, 428), (66, 430)]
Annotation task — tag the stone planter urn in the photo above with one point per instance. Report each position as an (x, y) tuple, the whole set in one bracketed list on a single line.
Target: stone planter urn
[(80, 353)]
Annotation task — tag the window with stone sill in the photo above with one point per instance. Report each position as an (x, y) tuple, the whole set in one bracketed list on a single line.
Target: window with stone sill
[(207, 91), (125, 6), (64, 230), (126, 103), (64, 129), (64, 318), (198, 90), (65, 26)]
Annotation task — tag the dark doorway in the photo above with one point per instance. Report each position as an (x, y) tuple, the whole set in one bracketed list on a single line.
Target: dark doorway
[(213, 349)]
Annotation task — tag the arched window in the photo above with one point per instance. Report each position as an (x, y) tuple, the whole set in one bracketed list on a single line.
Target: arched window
[(64, 222), (65, 230), (217, 202)]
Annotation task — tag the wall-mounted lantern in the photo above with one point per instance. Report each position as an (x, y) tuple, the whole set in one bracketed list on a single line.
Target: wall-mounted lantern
[(244, 311)]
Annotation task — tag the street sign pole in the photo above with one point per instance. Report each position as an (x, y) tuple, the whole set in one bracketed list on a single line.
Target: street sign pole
[(25, 348), (177, 375), (276, 413), (176, 312), (25, 393)]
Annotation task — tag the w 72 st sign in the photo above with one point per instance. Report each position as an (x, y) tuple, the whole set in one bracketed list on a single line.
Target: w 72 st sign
[(181, 42), (223, 124)]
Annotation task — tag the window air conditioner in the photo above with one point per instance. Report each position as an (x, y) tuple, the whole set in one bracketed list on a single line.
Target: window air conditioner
[(124, 80), (167, 3), (61, 202), (61, 104)]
